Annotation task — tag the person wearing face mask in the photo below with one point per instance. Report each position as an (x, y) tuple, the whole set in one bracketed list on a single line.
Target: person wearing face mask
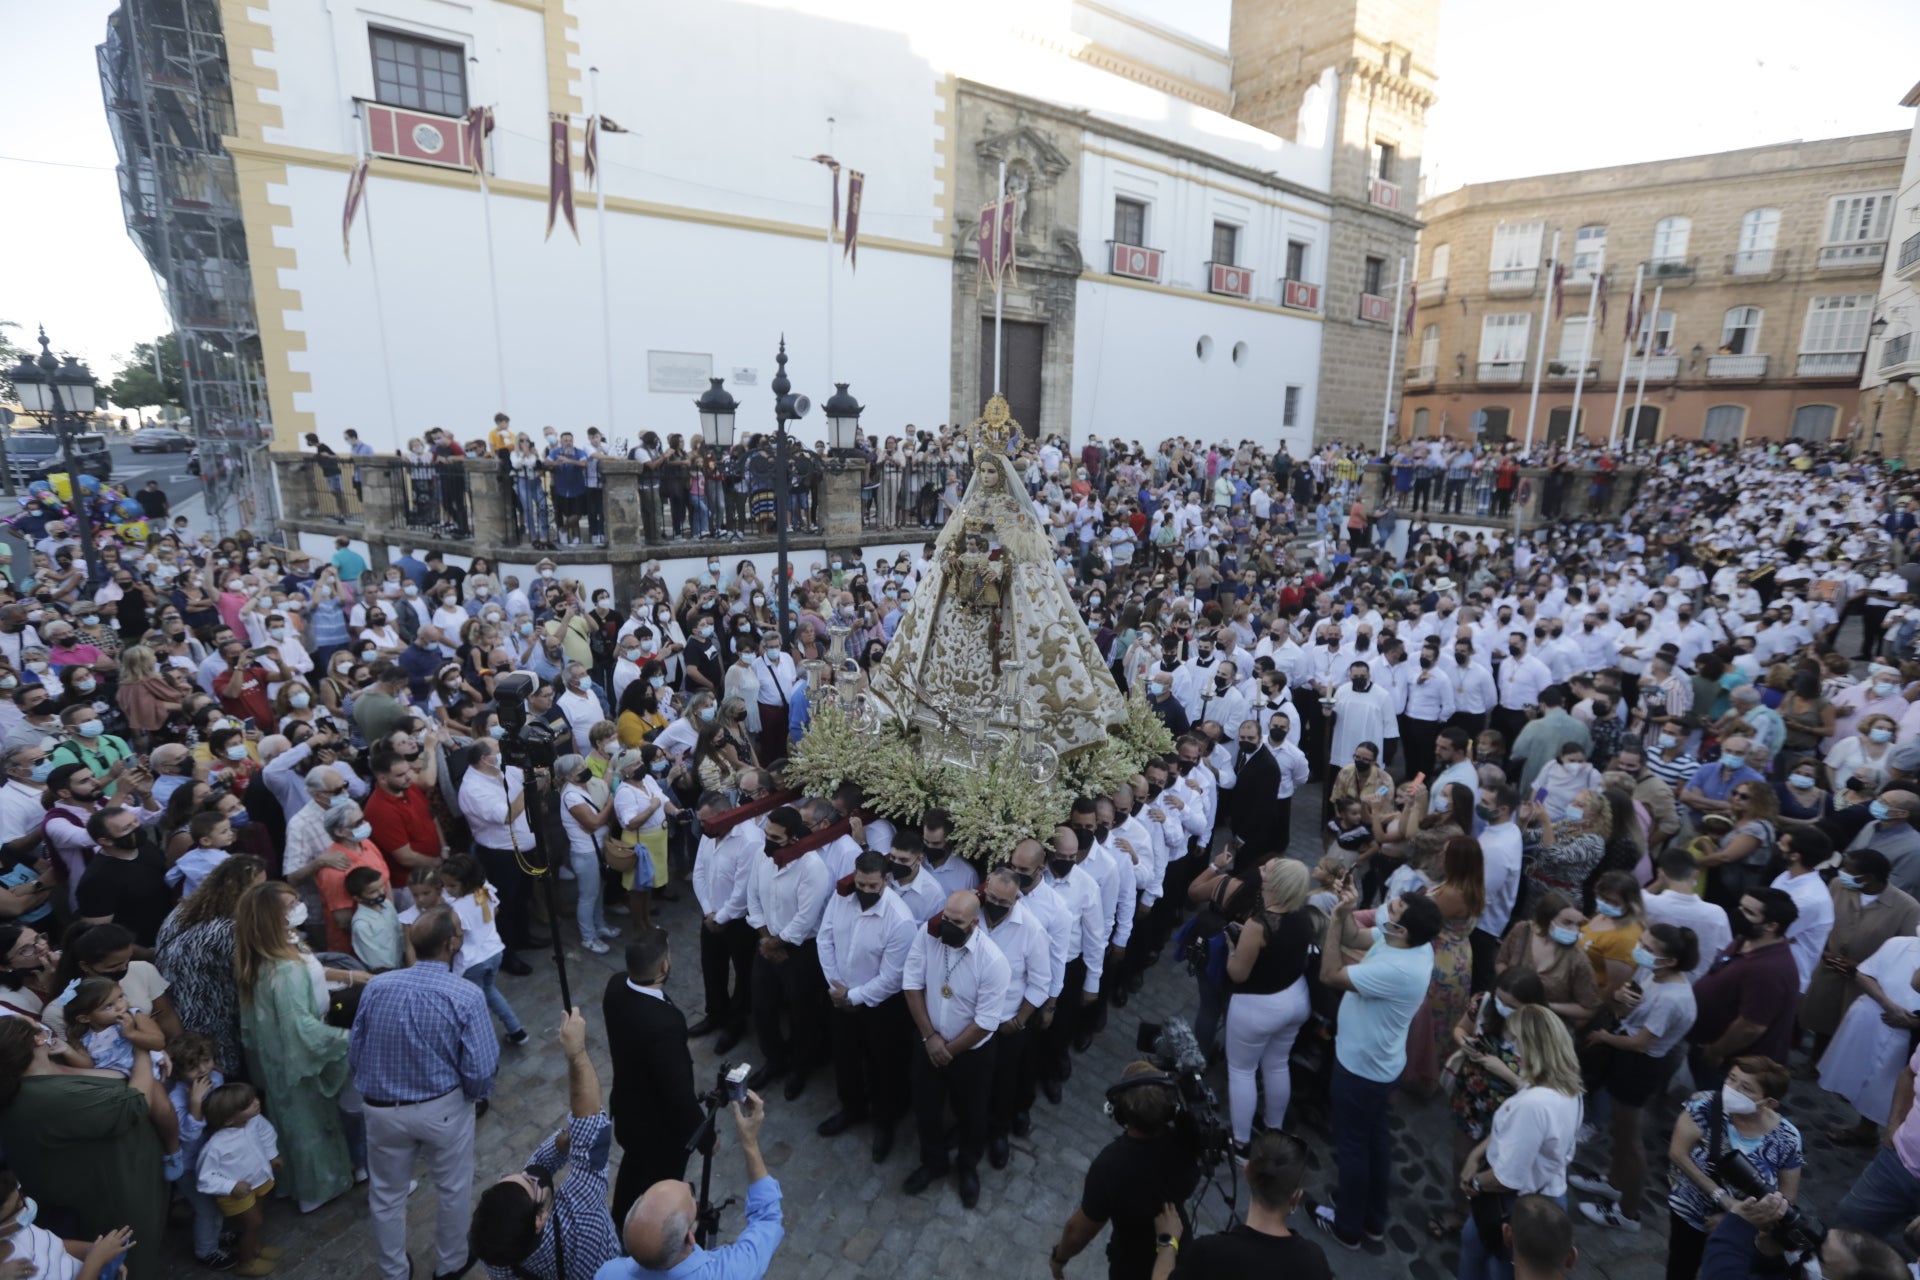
[(351, 837), (1548, 944), (1877, 695), (1363, 714), (1485, 1068), (1868, 912), (1160, 697), (1748, 999), (1474, 692), (493, 800), (729, 847), (956, 983), (865, 936), (1889, 832), (1740, 1113)]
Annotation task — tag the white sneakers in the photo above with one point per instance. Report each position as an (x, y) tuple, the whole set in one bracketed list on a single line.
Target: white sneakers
[(1607, 1215), (1593, 1186)]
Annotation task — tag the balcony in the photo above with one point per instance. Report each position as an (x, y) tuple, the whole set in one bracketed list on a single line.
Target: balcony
[(1502, 370), (1299, 295), (1658, 368), (1228, 280), (1376, 308), (1736, 366), (1431, 293), (1896, 352), (1420, 375), (1134, 262), (1515, 280), (1670, 271), (1565, 372), (1764, 263), (1383, 193), (1857, 256), (1829, 364), (418, 137), (1909, 260)]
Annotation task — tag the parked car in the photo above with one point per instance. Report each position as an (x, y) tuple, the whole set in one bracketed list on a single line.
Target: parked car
[(33, 455), (161, 440)]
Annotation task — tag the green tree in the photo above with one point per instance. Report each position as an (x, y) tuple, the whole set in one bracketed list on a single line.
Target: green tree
[(136, 384), (10, 353)]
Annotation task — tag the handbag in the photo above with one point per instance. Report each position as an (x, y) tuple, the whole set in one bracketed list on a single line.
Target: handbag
[(654, 841), (619, 852)]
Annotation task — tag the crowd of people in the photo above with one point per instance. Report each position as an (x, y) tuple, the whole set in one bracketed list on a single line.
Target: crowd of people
[(1607, 821)]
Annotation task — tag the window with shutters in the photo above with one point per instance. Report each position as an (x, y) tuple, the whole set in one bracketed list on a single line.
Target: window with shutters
[(1858, 217), (1573, 339), (1130, 222), (1429, 349), (1740, 331), (1290, 408), (1723, 423), (1589, 253), (1503, 337), (1226, 243), (1838, 322), (1814, 422), (1759, 231), (420, 75)]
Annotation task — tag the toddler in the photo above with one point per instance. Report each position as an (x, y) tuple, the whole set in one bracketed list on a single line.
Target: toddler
[(109, 1029), (1327, 877), (378, 938), (464, 886), (237, 1165), (191, 1056)]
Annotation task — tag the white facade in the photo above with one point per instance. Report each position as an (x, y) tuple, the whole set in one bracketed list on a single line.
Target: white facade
[(715, 219), (1899, 301)]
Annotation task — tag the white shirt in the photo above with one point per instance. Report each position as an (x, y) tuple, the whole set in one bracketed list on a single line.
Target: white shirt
[(1521, 680), (1079, 896), (955, 875), (1532, 1141), (484, 803), (721, 869), (479, 927), (233, 1156), (579, 839), (788, 901), (1500, 850), (865, 951), (45, 1251), (1708, 922), (923, 895), (583, 711), (1045, 908), (840, 856), (1430, 695), (1460, 771), (1473, 692), (1808, 934), (777, 677), (976, 973), (1024, 943), (20, 810)]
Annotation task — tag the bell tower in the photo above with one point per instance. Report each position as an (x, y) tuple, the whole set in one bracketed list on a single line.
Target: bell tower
[(1383, 53)]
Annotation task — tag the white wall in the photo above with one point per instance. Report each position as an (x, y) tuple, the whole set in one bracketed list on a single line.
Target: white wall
[(1136, 374)]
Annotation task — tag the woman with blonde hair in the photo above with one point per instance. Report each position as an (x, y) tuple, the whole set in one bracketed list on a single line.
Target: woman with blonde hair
[(1269, 1002), (146, 696), (1571, 847), (1532, 1142)]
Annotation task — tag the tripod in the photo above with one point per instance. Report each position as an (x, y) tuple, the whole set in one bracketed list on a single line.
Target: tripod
[(530, 749), (707, 1215)]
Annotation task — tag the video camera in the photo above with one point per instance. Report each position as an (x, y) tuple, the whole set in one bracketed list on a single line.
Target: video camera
[(1175, 1050), (1797, 1232), (528, 739)]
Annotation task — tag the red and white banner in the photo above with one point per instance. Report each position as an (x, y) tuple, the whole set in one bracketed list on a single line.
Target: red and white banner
[(591, 156), (560, 173), (416, 136), (987, 243), (856, 183), (1135, 262), (356, 191), (1235, 282)]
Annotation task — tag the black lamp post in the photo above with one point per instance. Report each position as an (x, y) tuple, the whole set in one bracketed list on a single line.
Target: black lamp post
[(787, 407), (843, 422), (1875, 330), (62, 394)]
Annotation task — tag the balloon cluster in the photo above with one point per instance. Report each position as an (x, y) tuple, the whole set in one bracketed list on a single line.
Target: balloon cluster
[(107, 507)]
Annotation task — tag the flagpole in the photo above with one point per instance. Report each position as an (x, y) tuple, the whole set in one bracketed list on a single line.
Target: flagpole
[(999, 277), (830, 230), (1652, 327), (373, 266), (1620, 392), (1586, 353), (493, 275), (600, 221), (1393, 353), (1539, 364)]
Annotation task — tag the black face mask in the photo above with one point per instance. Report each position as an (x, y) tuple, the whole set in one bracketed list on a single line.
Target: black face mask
[(114, 975), (1462, 656), (1100, 831), (1026, 880), (993, 911), (1742, 927), (899, 870), (936, 854), (1186, 767), (866, 900), (1220, 683), (1060, 867), (1426, 661), (1363, 767), (954, 935), (1276, 736), (1362, 683)]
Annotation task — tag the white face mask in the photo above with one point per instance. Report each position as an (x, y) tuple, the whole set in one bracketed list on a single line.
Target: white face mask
[(297, 916), (1736, 1103)]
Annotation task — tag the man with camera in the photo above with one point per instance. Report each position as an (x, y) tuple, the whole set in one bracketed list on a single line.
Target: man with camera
[(1153, 1163), (659, 1231), (493, 799), (1760, 1238)]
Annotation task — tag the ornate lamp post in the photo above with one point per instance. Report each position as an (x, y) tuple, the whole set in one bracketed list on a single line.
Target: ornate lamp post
[(788, 406), (63, 395)]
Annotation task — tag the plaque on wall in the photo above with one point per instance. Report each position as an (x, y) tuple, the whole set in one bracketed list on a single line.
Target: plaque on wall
[(686, 371)]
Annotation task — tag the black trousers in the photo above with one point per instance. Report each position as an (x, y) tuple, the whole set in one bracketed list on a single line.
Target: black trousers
[(1066, 1019), (1485, 947), (1474, 722), (870, 1046), (1419, 735), (793, 987), (1509, 723), (1456, 490), (728, 948), (1422, 491), (515, 891), (642, 1165), (965, 1083), (1313, 734), (1013, 1080)]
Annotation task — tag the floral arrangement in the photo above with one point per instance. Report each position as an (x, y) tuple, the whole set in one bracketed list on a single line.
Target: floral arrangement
[(997, 807)]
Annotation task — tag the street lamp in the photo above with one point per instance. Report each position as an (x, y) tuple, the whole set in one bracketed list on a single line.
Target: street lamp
[(716, 408), (843, 421), (787, 407), (63, 394)]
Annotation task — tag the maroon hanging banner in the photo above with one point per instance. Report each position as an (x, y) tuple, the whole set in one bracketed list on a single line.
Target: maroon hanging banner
[(989, 244), (856, 182), (473, 143), (1009, 222), (356, 189), (591, 157), (559, 174), (1413, 300)]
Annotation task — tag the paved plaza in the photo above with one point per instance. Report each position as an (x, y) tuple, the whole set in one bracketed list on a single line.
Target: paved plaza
[(846, 1217)]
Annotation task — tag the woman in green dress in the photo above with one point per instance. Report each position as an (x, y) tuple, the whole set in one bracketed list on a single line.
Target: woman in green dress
[(296, 1059), (83, 1144)]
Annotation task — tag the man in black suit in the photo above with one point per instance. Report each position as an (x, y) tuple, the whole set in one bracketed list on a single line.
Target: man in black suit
[(653, 1103), (1250, 805)]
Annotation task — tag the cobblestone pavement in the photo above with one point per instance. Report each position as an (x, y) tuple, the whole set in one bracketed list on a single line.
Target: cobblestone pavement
[(847, 1217)]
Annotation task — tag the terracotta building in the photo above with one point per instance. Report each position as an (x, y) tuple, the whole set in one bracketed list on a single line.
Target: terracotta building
[(1767, 260)]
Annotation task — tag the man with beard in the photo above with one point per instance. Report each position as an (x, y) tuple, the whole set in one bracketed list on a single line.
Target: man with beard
[(865, 935)]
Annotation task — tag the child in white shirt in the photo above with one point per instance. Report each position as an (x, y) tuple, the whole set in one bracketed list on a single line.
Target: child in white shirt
[(237, 1167), (465, 888)]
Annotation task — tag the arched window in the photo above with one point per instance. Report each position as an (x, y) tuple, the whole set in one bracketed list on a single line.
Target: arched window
[(1723, 423), (1814, 422), (1420, 419), (1759, 229), (1740, 331), (1646, 426), (1670, 237)]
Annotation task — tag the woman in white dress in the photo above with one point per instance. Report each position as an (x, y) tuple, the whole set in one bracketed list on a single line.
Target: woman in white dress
[(1869, 1050)]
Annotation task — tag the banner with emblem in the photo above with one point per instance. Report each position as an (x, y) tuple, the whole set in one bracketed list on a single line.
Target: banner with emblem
[(560, 173), (988, 244), (856, 182), (356, 190)]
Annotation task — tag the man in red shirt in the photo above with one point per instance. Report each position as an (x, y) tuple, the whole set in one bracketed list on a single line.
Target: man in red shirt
[(242, 687), (401, 815), (1747, 999)]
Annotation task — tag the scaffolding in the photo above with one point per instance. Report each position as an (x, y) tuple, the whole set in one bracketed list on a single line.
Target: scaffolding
[(169, 101)]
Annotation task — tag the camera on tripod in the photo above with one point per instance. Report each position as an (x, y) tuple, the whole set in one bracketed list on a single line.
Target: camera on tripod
[(528, 741), (1175, 1050), (1797, 1231), (730, 1086)]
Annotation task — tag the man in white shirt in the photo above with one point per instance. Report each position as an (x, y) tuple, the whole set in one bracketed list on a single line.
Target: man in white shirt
[(721, 868), (580, 704), (1473, 691), (1024, 942), (953, 873), (916, 886), (1028, 865), (1453, 758), (1806, 850), (777, 676), (865, 935), (956, 987), (1500, 852), (497, 816), (787, 893), (1520, 679), (1429, 704), (1671, 900), (1079, 892)]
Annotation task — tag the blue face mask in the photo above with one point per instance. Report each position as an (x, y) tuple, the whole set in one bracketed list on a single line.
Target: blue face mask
[(362, 831), (1564, 936), (1502, 1007), (42, 770), (334, 802), (706, 713), (1606, 908), (498, 731), (93, 729), (239, 820), (1645, 958), (29, 1210), (1879, 811), (1850, 881)]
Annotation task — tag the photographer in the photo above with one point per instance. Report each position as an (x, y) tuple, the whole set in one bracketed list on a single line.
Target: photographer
[(1262, 1245), (1743, 1116), (1154, 1163), (1747, 1243), (659, 1230), (523, 1218)]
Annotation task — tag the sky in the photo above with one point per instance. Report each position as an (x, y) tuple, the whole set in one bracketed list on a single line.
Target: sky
[(1667, 78)]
